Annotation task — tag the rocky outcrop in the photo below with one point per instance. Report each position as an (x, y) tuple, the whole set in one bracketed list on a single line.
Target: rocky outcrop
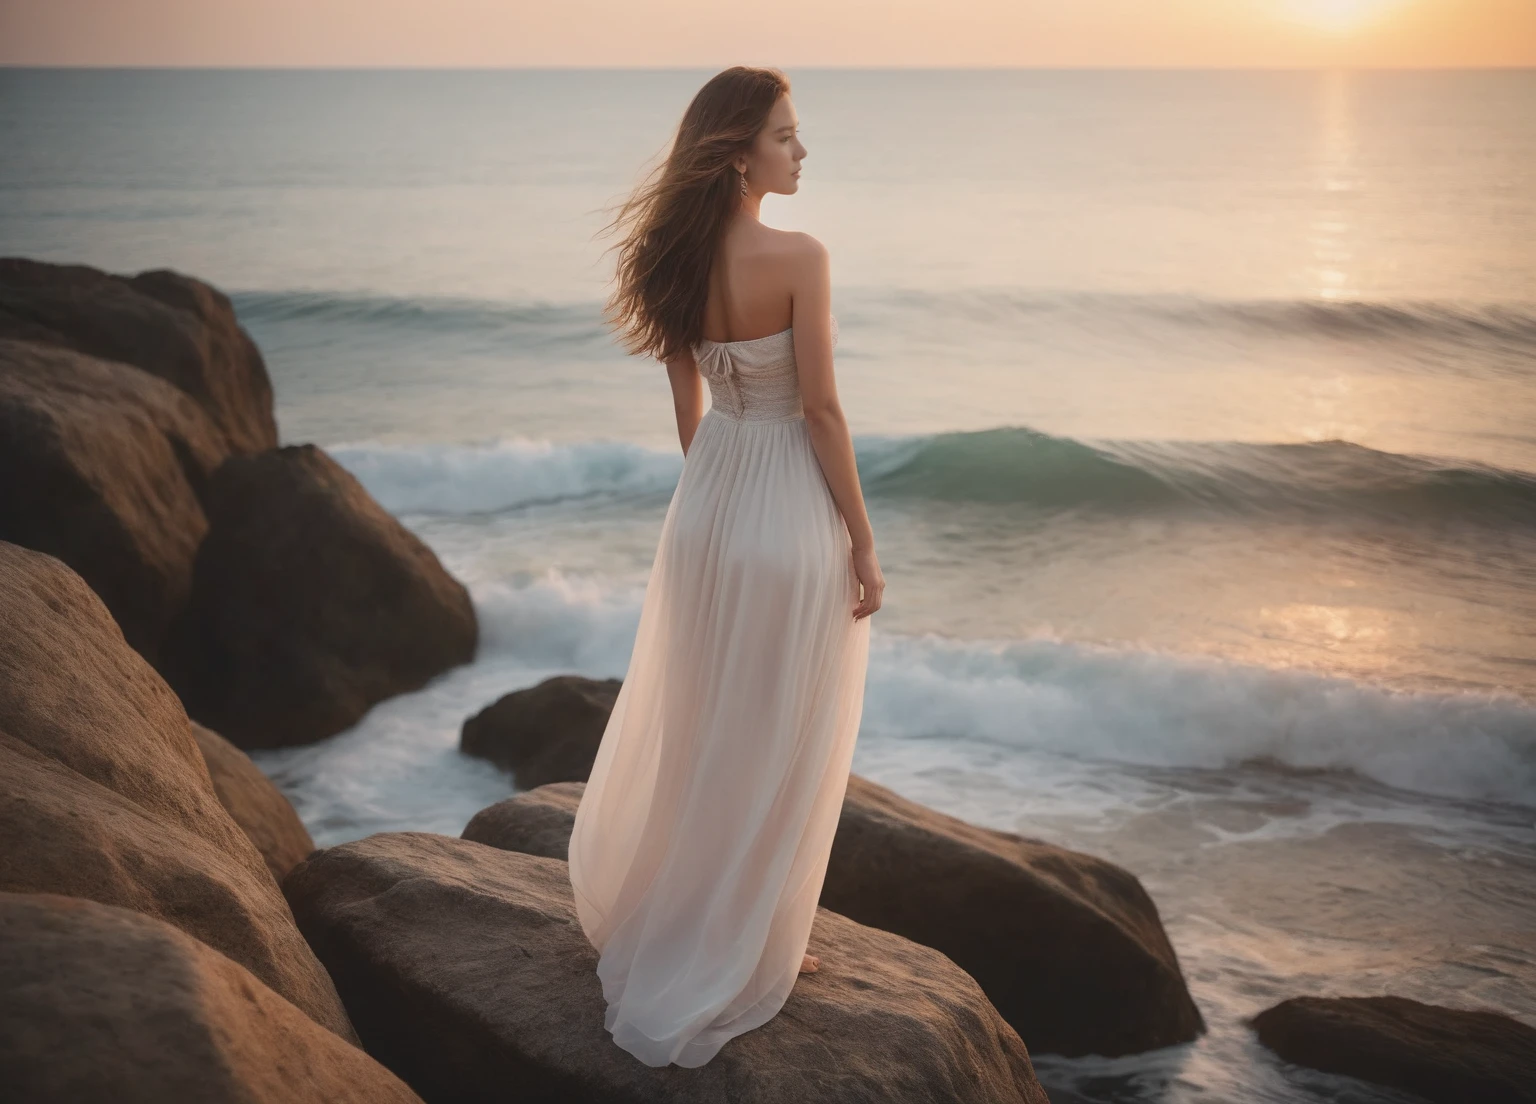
[(102, 1003), (467, 973), (1448, 1055), (259, 808), (105, 795), (1068, 947), (119, 397), (164, 323), (101, 465), (138, 445), (544, 733), (309, 604)]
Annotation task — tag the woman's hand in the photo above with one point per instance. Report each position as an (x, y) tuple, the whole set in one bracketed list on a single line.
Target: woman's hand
[(867, 567)]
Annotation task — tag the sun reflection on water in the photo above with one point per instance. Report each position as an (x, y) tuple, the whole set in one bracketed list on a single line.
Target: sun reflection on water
[(1332, 236)]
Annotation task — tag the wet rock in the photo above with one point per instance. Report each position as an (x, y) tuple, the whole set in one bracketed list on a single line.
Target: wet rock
[(1448, 1055), (544, 733)]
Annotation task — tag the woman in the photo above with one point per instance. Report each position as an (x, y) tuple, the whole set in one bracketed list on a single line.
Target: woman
[(702, 838)]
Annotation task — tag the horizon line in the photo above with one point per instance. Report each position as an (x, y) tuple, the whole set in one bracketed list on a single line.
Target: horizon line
[(406, 67)]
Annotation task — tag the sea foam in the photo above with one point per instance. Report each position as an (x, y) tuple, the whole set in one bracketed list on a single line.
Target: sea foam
[(1127, 705)]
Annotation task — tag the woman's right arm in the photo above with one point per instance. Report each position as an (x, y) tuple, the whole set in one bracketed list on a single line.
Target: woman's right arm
[(687, 397), (830, 437)]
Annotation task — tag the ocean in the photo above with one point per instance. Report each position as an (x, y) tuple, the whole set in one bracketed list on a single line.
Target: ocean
[(1196, 413)]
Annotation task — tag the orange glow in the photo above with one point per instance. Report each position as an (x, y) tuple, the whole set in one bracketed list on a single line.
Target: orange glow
[(1338, 16), (793, 33)]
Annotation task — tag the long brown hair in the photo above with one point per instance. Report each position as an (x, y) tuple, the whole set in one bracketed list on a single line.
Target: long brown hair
[(673, 221)]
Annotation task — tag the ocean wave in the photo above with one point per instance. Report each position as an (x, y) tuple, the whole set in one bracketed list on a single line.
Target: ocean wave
[(1011, 466), (1508, 328), (526, 325), (506, 474), (1021, 465), (1508, 324), (1123, 705), (1160, 709)]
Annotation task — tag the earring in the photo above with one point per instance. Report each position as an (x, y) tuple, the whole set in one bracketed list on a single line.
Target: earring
[(743, 183)]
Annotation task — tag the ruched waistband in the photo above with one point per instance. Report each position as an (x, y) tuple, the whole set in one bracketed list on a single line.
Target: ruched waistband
[(797, 416)]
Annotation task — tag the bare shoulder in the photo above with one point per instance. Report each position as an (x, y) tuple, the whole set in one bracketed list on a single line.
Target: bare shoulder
[(802, 259), (803, 249), (791, 247)]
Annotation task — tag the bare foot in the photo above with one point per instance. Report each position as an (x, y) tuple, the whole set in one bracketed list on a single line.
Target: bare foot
[(809, 964)]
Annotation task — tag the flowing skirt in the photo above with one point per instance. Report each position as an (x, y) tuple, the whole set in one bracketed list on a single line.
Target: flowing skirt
[(702, 838)]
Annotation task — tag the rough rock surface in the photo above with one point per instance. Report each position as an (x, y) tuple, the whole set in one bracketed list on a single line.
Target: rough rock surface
[(468, 974), (101, 465), (544, 733), (105, 795), (102, 1003), (258, 806), (1069, 947), (1447, 1055), (309, 604), (167, 324)]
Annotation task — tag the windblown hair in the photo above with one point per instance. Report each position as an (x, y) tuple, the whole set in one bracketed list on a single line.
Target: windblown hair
[(672, 223)]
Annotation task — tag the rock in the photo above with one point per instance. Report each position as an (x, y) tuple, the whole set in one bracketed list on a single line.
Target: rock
[(544, 733), (1068, 947), (105, 795), (100, 465), (469, 975), (536, 822), (102, 1003), (167, 324), (259, 807), (309, 604), (1443, 1054)]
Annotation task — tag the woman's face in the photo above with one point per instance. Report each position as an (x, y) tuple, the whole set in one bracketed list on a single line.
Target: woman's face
[(773, 163)]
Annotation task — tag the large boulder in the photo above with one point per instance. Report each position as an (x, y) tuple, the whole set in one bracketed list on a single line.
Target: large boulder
[(167, 324), (105, 795), (1069, 947), (258, 806), (469, 975), (309, 604), (102, 1003), (100, 465), (1448, 1055), (544, 733)]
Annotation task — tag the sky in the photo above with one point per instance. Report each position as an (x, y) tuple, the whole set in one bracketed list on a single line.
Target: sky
[(786, 33)]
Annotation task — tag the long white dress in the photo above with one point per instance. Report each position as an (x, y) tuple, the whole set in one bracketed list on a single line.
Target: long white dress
[(702, 838)]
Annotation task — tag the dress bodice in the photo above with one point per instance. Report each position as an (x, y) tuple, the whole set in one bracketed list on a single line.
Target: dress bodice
[(754, 380)]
